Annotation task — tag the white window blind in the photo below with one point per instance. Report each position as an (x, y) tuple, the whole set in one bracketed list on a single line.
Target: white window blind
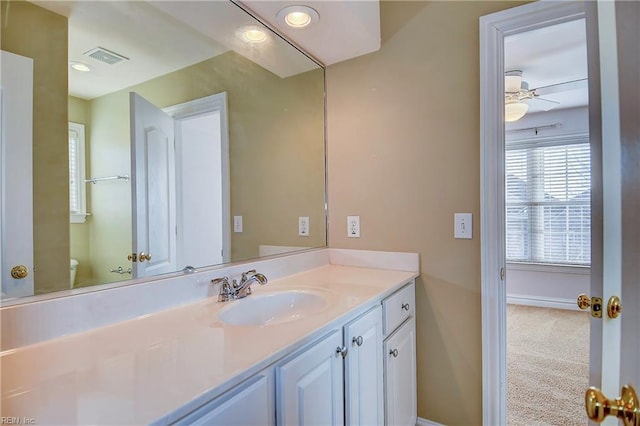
[(548, 197), (77, 203)]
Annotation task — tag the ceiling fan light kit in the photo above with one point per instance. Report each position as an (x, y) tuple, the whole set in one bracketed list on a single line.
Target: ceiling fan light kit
[(516, 92), (514, 111)]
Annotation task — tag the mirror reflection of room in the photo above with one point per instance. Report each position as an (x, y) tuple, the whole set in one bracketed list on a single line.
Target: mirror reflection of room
[(245, 143)]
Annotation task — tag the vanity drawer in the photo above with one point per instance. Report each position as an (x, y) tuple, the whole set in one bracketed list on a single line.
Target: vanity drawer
[(398, 307)]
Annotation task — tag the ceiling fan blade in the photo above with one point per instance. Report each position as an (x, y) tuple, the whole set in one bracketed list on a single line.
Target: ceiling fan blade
[(543, 104), (561, 87)]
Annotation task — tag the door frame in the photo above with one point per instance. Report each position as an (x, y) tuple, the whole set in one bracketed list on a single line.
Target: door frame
[(205, 105), (493, 30)]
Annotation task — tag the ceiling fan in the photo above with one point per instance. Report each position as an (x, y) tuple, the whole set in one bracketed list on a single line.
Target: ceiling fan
[(518, 96)]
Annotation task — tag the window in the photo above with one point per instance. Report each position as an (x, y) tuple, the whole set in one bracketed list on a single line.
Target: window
[(77, 190), (548, 186)]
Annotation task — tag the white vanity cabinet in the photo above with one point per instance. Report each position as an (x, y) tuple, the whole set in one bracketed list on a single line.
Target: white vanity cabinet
[(400, 358), (310, 386), (249, 403), (361, 373), (364, 393)]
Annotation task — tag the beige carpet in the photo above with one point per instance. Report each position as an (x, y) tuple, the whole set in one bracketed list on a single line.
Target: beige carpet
[(547, 366)]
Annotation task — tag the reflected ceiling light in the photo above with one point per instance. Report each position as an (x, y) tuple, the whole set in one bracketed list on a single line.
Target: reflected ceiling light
[(251, 34), (514, 111), (512, 81), (298, 16), (79, 66)]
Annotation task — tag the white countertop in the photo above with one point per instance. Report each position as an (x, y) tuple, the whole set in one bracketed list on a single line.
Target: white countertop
[(144, 369)]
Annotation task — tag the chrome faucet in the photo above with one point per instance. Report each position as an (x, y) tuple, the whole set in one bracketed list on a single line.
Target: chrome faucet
[(235, 290), (244, 288)]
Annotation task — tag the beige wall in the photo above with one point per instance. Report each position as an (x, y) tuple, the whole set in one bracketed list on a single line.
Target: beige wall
[(110, 221), (403, 153), (80, 232), (276, 155), (34, 32)]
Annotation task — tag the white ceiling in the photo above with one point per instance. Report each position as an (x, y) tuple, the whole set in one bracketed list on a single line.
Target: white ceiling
[(346, 29), (160, 37), (551, 55)]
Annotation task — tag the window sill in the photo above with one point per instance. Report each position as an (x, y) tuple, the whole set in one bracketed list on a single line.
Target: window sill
[(545, 267), (79, 218)]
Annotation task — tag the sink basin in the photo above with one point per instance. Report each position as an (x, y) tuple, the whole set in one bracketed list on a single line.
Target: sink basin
[(274, 308)]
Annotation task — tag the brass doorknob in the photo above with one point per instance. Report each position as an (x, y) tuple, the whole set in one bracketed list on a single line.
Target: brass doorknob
[(625, 408), (19, 272), (144, 256), (614, 307)]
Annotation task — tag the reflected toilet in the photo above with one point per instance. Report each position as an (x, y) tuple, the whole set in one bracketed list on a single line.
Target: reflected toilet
[(74, 268)]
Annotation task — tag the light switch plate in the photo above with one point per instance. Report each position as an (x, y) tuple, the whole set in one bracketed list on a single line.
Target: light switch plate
[(463, 226), (237, 224)]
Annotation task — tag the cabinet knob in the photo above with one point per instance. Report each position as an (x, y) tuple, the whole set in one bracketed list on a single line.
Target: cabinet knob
[(357, 340), (394, 353), (341, 350), (405, 306)]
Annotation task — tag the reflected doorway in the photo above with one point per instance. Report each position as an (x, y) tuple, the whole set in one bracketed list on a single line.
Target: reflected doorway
[(181, 181)]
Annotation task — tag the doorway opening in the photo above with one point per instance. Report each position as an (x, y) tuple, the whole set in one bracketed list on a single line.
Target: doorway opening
[(531, 135), (548, 222)]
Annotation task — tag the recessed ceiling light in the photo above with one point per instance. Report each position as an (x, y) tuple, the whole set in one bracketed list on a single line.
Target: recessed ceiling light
[(251, 34), (79, 66), (298, 16)]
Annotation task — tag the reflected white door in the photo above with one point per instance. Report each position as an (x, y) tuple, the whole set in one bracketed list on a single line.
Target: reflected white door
[(154, 194), (16, 205)]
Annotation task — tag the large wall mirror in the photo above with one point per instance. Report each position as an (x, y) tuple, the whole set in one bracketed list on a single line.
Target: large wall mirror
[(162, 135)]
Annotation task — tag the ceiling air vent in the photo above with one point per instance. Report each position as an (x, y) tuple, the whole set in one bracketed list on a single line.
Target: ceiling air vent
[(107, 56)]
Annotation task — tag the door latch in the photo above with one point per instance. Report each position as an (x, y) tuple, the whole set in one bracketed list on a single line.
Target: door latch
[(584, 302)]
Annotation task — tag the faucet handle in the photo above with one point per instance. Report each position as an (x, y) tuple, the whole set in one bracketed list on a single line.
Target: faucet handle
[(249, 272), (225, 293), (223, 280)]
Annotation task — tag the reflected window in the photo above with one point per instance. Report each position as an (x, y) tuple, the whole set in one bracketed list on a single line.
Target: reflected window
[(77, 190)]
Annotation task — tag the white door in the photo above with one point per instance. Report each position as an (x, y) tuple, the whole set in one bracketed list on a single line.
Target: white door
[(364, 395), (615, 343), (400, 376), (310, 386), (16, 201), (154, 194)]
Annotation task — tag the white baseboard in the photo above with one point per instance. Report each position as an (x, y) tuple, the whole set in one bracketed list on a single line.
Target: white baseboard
[(543, 302), (425, 422)]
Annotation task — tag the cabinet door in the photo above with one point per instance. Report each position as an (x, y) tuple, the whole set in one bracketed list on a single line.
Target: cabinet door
[(310, 386), (364, 403), (249, 404), (400, 376)]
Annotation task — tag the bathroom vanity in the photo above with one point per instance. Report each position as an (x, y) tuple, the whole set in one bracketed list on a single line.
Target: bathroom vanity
[(344, 349)]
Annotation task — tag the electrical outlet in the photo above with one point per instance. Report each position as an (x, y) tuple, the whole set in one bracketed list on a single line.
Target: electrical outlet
[(303, 226), (353, 226), (237, 224), (463, 225)]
